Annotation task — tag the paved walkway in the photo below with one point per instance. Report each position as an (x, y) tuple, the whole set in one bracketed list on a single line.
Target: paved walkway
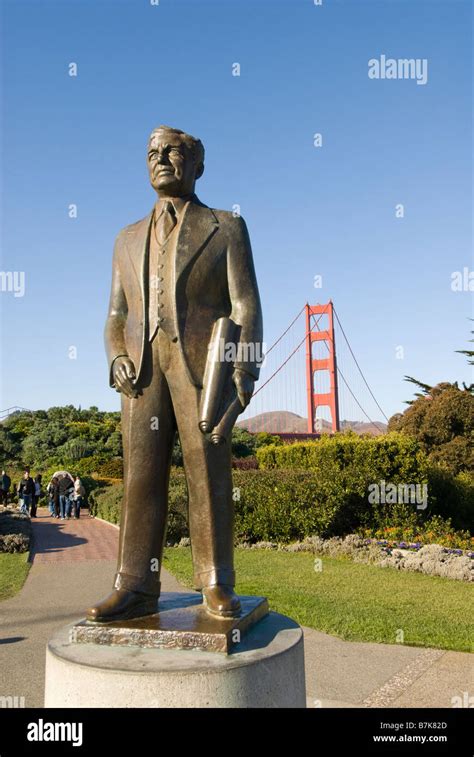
[(73, 566), (70, 541)]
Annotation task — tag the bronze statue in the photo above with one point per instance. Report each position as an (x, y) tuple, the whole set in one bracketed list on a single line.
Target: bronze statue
[(176, 274)]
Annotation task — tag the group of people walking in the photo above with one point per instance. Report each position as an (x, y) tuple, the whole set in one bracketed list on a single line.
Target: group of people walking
[(66, 495)]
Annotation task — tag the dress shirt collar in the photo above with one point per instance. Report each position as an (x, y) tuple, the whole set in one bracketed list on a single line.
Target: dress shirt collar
[(178, 204)]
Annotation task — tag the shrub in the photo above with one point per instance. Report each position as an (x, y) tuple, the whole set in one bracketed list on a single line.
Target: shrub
[(111, 468), (177, 508), (263, 438), (76, 448), (436, 530), (243, 442), (87, 466), (83, 468), (456, 455), (380, 457), (276, 505), (14, 543), (283, 506), (452, 496), (244, 463), (177, 454), (15, 532), (325, 493), (442, 420), (106, 503), (351, 464)]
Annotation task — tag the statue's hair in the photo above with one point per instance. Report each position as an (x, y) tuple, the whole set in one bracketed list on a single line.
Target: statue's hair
[(195, 145)]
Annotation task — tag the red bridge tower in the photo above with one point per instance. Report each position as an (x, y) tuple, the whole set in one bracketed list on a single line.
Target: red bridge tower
[(314, 334)]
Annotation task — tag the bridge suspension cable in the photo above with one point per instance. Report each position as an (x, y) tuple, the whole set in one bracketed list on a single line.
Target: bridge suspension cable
[(285, 332), (343, 378), (357, 364), (290, 355)]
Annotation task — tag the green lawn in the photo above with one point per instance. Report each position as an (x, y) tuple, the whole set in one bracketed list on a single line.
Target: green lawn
[(14, 569), (353, 601)]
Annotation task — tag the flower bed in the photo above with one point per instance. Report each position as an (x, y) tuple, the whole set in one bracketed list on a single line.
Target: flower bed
[(436, 530), (15, 531)]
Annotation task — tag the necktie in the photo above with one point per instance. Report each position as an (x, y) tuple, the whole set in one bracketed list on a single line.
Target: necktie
[(166, 222)]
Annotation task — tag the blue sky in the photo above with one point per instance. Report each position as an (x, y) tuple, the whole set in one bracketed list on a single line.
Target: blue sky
[(310, 211)]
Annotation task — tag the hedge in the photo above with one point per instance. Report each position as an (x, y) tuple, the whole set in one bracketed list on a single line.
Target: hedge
[(106, 503), (359, 458), (349, 464), (285, 505)]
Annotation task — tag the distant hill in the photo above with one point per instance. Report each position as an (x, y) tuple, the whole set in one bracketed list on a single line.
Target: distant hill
[(280, 420), (290, 423), (361, 427)]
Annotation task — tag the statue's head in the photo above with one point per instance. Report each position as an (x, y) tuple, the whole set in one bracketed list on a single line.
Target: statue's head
[(175, 161)]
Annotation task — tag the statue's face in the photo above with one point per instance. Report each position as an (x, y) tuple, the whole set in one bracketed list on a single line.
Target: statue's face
[(171, 165)]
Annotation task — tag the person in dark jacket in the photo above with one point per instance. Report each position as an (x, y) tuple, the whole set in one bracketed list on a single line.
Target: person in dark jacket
[(26, 490), (36, 495), (5, 483), (53, 496), (65, 488)]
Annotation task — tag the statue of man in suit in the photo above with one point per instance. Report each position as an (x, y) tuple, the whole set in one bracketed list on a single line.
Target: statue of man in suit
[(174, 274)]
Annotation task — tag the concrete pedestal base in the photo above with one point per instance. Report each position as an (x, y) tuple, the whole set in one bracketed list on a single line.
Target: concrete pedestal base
[(265, 670)]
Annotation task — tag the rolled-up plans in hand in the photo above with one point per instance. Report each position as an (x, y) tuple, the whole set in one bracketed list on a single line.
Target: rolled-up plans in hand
[(223, 430), (217, 373)]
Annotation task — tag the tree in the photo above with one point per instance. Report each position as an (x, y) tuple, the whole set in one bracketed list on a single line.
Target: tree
[(443, 421), (263, 438), (114, 443), (10, 444), (426, 389), (76, 449), (243, 442)]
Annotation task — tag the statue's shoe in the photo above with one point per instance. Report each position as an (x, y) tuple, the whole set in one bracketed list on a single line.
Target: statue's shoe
[(123, 605), (221, 600)]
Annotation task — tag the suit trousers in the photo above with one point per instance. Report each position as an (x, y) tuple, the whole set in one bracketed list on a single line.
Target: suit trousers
[(169, 401)]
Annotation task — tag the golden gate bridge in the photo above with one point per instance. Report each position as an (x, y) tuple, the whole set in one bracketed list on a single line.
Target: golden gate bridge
[(306, 387)]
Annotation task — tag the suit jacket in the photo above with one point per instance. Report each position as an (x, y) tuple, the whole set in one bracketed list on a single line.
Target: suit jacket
[(214, 276)]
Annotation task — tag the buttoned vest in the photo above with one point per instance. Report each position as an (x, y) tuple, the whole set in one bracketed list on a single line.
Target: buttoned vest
[(161, 310)]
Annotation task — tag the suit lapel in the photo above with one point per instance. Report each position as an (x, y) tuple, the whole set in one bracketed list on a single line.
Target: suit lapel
[(138, 250), (198, 225), (136, 240)]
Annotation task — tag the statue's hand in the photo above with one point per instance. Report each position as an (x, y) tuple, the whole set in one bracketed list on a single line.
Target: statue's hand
[(244, 384), (124, 377)]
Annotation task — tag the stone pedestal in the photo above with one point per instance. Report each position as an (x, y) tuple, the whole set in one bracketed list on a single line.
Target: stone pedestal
[(266, 669), (181, 623)]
